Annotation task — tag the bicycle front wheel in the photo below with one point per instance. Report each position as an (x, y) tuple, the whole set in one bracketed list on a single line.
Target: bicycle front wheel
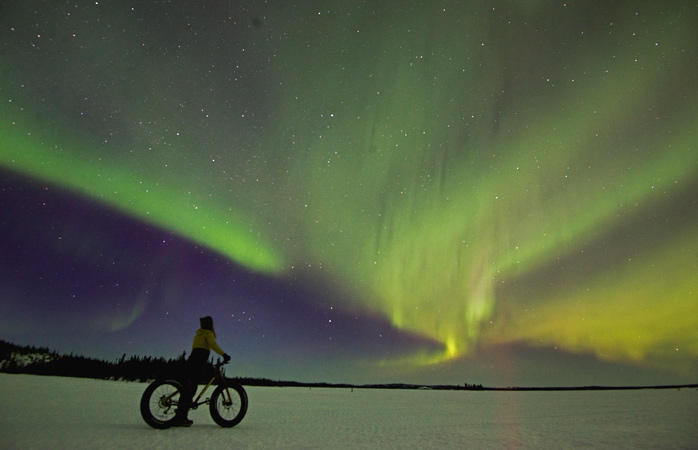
[(228, 405), (159, 403)]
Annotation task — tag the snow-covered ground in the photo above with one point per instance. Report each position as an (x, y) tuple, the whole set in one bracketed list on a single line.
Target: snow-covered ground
[(53, 413)]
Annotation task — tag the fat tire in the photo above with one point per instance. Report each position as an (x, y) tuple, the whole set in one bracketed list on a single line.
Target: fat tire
[(156, 413), (228, 414)]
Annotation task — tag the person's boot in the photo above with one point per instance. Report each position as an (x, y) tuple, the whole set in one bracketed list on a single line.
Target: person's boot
[(182, 422), (180, 418)]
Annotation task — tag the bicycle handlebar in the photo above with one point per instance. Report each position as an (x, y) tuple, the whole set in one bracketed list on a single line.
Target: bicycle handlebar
[(220, 363)]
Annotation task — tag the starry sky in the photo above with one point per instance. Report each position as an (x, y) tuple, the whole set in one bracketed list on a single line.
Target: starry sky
[(497, 192)]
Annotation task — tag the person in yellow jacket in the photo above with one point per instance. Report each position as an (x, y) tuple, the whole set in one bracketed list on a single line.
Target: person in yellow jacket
[(197, 367)]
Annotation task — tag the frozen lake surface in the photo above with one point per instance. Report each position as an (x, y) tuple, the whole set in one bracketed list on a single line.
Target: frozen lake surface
[(53, 413)]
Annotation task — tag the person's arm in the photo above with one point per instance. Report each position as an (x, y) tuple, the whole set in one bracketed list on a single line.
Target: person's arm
[(214, 346)]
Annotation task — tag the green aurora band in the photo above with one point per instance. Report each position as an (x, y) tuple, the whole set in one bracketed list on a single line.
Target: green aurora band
[(437, 166), (122, 188)]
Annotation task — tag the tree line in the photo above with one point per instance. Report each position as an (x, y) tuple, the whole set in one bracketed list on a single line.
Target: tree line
[(43, 361)]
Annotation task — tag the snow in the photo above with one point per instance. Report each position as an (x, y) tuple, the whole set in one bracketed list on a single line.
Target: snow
[(23, 359), (52, 412)]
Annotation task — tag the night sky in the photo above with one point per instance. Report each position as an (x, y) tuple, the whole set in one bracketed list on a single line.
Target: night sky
[(502, 193)]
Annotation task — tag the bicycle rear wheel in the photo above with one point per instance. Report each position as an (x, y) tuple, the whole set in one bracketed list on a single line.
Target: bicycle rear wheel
[(228, 405), (159, 403)]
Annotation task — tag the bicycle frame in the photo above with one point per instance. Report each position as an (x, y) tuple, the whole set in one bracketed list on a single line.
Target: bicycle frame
[(217, 374)]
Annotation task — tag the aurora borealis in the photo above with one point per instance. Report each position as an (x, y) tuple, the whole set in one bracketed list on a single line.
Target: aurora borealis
[(492, 192)]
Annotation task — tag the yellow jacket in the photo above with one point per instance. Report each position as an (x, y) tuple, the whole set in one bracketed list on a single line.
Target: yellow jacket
[(207, 340)]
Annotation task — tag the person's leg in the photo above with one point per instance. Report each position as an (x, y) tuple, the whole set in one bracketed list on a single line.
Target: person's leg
[(192, 376), (185, 399)]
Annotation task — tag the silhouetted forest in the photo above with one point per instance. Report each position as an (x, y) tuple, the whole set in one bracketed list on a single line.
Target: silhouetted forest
[(42, 361)]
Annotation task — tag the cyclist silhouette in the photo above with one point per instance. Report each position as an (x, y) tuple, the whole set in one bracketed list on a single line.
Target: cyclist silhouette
[(197, 368)]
